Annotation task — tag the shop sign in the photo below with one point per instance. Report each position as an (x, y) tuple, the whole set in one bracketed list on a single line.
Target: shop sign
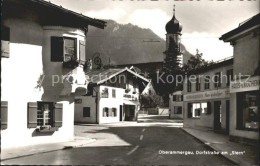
[(249, 84), (207, 95)]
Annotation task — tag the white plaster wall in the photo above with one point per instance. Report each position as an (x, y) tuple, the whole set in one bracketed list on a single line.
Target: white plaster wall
[(110, 103), (19, 75), (87, 101)]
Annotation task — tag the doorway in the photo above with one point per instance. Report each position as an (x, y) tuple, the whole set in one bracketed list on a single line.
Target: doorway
[(227, 115), (217, 115), (121, 113)]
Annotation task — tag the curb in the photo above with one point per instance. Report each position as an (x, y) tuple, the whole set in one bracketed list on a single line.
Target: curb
[(210, 147), (53, 150)]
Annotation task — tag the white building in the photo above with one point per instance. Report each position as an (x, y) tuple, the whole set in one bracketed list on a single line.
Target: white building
[(42, 59), (244, 89), (176, 105), (113, 96)]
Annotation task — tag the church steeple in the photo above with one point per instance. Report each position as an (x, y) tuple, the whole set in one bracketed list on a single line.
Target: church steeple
[(173, 26)]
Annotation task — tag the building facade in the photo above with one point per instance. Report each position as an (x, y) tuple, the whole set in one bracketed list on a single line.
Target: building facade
[(176, 105), (42, 59), (244, 89), (206, 97), (113, 96)]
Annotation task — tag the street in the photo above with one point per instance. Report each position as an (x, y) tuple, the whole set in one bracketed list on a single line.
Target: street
[(130, 143)]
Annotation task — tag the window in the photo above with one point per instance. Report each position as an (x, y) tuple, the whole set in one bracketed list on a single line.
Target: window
[(248, 110), (189, 86), (104, 93), (229, 76), (86, 111), (64, 49), (197, 84), (196, 109), (177, 110), (4, 114), (207, 82), (177, 98), (113, 93), (5, 41), (217, 80), (44, 114), (105, 112), (114, 112)]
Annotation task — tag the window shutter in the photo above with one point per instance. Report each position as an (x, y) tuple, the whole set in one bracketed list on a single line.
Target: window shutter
[(4, 114), (189, 110), (82, 52), (57, 115), (208, 107), (56, 49), (174, 97), (32, 115)]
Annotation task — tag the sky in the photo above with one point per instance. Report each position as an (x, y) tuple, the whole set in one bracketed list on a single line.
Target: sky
[(203, 21)]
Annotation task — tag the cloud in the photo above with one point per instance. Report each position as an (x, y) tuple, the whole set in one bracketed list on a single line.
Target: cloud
[(208, 44), (116, 14), (154, 19)]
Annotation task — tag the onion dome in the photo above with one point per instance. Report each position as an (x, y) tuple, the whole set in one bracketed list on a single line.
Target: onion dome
[(173, 26)]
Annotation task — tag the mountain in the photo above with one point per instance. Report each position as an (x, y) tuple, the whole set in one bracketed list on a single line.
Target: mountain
[(125, 44)]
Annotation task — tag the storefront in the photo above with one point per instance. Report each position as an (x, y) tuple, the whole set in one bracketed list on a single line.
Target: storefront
[(245, 109), (208, 110)]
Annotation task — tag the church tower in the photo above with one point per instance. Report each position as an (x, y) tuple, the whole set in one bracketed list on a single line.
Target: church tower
[(172, 55)]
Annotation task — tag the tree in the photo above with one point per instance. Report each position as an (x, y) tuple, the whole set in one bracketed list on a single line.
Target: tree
[(196, 62)]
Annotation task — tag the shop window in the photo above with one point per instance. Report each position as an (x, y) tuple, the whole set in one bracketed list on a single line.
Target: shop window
[(196, 110), (86, 111), (114, 112), (177, 110), (229, 76), (189, 86), (217, 80), (113, 93), (5, 42), (44, 114), (105, 112), (197, 84), (4, 114), (248, 110), (104, 93), (64, 49), (204, 108), (207, 82)]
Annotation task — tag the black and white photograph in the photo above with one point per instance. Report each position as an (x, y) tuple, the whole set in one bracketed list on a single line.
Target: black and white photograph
[(130, 82)]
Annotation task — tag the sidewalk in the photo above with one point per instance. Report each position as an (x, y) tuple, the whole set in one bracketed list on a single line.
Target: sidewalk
[(43, 148), (221, 143)]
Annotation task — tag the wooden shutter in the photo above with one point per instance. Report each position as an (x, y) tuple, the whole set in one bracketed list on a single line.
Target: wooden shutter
[(4, 114), (189, 110), (82, 52), (57, 115), (56, 49), (208, 107), (32, 115)]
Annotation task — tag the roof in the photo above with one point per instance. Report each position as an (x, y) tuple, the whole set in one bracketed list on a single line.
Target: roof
[(102, 75), (220, 63), (247, 24), (51, 13)]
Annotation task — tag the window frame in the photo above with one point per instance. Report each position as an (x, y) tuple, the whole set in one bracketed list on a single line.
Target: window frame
[(207, 82), (86, 112), (198, 84), (217, 80), (189, 86), (230, 76)]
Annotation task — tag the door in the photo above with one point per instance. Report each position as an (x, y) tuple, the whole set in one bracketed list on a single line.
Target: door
[(121, 113), (217, 115), (227, 115)]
